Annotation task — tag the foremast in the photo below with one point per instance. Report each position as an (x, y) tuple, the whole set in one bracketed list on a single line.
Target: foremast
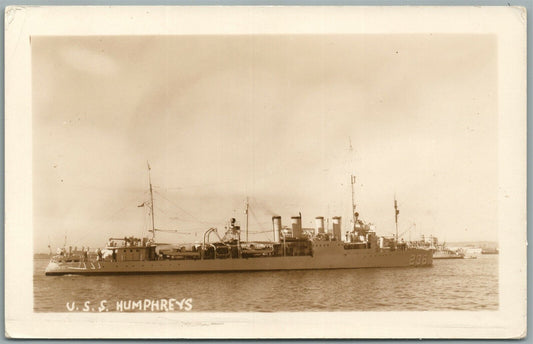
[(151, 202)]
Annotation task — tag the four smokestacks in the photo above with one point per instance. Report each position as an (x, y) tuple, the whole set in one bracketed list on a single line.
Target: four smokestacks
[(296, 226)]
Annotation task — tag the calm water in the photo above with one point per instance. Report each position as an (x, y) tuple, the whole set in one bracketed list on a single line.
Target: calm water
[(464, 284)]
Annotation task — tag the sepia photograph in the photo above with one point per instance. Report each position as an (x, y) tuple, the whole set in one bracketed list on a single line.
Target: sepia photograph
[(181, 169)]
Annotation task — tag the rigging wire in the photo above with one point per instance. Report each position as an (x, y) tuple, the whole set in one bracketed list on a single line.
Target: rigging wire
[(183, 210), (165, 230), (146, 224), (195, 186), (260, 227), (147, 219), (258, 232), (127, 205), (110, 218)]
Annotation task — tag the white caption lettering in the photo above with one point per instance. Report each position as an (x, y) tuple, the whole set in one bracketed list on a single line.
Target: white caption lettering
[(144, 305)]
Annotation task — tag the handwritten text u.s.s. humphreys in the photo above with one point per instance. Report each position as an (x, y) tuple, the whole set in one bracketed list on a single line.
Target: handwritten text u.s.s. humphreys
[(143, 305)]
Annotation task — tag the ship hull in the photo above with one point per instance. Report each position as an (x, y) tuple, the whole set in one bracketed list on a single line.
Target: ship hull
[(324, 259)]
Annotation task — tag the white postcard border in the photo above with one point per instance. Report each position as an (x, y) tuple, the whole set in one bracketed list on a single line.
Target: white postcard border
[(508, 23)]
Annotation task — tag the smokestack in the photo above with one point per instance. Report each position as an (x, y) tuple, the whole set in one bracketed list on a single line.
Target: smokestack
[(296, 222), (319, 225), (337, 220), (276, 227)]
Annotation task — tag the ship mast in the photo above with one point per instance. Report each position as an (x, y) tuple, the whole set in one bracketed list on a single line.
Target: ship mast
[(246, 212), (396, 213), (151, 201), (353, 200)]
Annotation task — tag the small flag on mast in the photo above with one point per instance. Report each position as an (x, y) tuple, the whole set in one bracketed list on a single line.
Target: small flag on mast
[(145, 203)]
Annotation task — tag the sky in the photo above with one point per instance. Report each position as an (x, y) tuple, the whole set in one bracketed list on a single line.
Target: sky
[(282, 120)]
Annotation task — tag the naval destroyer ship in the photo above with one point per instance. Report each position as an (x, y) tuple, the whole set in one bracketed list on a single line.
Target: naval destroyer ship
[(293, 248)]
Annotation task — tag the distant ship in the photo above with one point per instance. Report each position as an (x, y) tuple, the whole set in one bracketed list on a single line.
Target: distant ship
[(443, 252), (490, 251), (293, 248), (471, 252), (440, 251)]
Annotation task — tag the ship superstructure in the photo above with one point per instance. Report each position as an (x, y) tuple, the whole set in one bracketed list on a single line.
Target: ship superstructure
[(293, 248)]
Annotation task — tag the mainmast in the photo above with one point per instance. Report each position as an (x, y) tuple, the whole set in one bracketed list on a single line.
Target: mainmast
[(353, 199), (246, 212), (396, 213), (151, 200)]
